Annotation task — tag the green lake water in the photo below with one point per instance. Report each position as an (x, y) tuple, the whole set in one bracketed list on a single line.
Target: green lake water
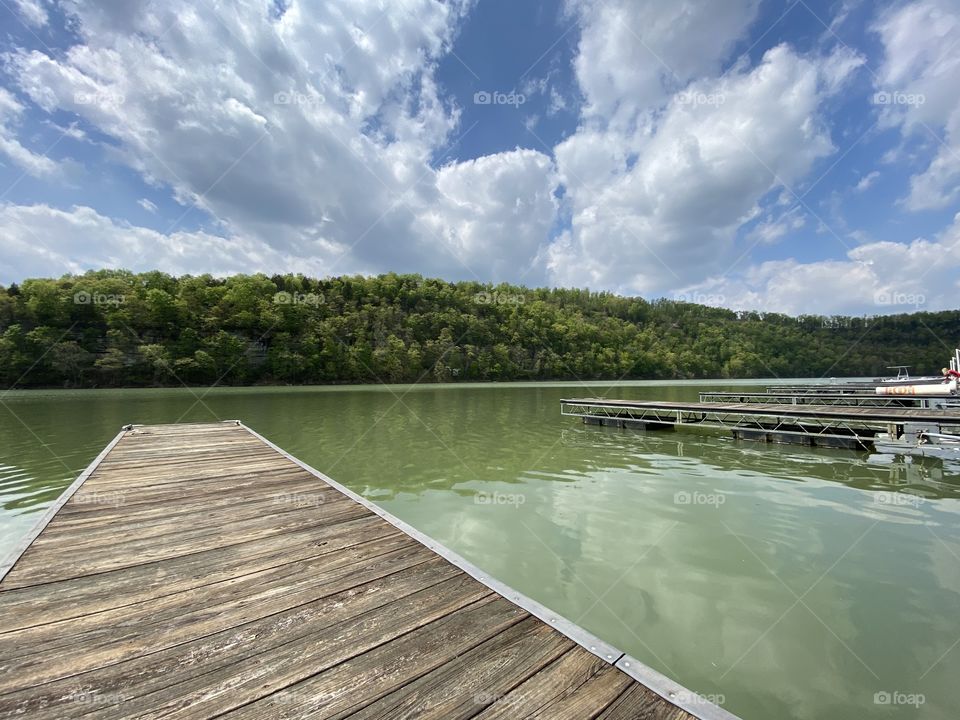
[(781, 581)]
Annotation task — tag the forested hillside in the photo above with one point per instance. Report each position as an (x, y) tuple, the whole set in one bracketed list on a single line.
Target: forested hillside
[(115, 328)]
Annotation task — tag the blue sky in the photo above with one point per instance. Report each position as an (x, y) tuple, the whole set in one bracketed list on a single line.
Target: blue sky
[(789, 156)]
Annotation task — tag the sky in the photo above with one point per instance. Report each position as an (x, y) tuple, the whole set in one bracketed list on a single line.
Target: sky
[(798, 157)]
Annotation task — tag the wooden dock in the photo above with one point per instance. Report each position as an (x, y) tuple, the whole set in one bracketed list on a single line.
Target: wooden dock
[(198, 571)]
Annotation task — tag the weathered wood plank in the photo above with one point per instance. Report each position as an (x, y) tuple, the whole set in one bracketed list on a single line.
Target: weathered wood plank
[(78, 563), (216, 605), (74, 597), (354, 684), (114, 529), (640, 703), (590, 699), (249, 680), (294, 490), (467, 684), (149, 683), (559, 679)]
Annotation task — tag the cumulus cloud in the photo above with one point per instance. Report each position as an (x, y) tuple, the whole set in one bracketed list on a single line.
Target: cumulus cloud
[(874, 278), (508, 195), (32, 12), (316, 137), (632, 55), (918, 91), (312, 127), (668, 215), (39, 241)]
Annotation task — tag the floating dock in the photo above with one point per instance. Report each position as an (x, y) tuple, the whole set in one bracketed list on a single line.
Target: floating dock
[(836, 399), (200, 571), (799, 423)]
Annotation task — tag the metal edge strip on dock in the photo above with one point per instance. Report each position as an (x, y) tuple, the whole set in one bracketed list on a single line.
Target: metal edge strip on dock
[(40, 525), (688, 700), (673, 692)]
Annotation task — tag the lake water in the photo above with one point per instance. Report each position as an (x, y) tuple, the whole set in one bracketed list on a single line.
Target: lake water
[(781, 581)]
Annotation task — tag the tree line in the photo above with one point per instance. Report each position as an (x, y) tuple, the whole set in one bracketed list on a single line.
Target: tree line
[(114, 328)]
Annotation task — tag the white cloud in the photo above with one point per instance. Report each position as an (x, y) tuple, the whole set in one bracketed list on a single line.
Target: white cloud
[(838, 67), (918, 84), (33, 12), (874, 278), (313, 130), (40, 241), (494, 212), (771, 230), (315, 136), (673, 156), (557, 102), (867, 181), (667, 215), (632, 55), (32, 163)]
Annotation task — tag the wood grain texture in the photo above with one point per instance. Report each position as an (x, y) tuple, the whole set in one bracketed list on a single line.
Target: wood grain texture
[(199, 573)]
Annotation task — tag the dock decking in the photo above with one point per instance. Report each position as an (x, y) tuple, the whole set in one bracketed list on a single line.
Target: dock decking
[(197, 571)]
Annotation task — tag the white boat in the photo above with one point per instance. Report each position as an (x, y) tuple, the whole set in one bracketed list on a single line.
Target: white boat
[(944, 386), (903, 374), (919, 440)]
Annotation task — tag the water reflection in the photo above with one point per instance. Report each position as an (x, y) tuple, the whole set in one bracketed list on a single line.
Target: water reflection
[(930, 477)]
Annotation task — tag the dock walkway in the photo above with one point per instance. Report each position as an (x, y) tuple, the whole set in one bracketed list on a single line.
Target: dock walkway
[(198, 571)]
